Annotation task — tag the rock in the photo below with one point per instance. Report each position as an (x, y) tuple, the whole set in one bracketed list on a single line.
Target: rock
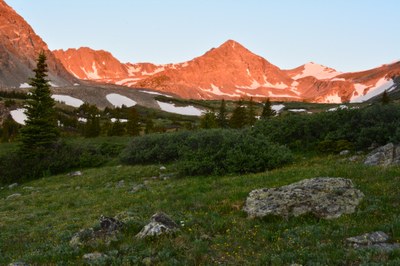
[(94, 256), (345, 152), (109, 224), (353, 158), (18, 263), (120, 184), (82, 237), (147, 261), (369, 238), (28, 188), (324, 197), (13, 185), (384, 155), (375, 240), (76, 173), (163, 168), (166, 176), (13, 196), (136, 188), (160, 223)]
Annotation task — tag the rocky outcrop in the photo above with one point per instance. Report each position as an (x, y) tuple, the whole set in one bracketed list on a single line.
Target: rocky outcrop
[(375, 240), (19, 49), (384, 156), (325, 197), (160, 223)]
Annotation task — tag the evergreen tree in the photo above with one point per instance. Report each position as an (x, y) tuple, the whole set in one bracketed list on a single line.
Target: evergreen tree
[(385, 98), (9, 130), (267, 111), (149, 126), (117, 129), (222, 119), (208, 121), (92, 114), (239, 116), (251, 113), (41, 129), (133, 126)]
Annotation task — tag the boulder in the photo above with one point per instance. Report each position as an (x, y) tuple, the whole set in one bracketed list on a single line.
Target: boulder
[(76, 173), (344, 152), (384, 155), (375, 240), (325, 197), (160, 223)]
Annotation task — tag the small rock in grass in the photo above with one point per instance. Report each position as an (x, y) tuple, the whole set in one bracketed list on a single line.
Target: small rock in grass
[(76, 173), (136, 188), (109, 224), (375, 240), (344, 152), (13, 185), (18, 263), (28, 188), (120, 184), (163, 168), (94, 256), (147, 261), (160, 223), (13, 196)]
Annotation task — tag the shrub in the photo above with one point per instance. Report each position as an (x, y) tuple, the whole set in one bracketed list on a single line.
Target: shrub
[(204, 152), (19, 167), (154, 148)]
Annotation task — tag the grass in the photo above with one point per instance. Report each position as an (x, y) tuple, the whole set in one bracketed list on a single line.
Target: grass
[(36, 227)]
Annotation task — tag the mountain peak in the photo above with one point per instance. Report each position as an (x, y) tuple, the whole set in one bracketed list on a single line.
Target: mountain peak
[(231, 44)]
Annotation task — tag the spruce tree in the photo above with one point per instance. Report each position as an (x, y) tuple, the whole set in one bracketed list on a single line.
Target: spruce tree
[(251, 113), (41, 129), (222, 119), (133, 127), (267, 111), (9, 129), (208, 121), (239, 116), (385, 98)]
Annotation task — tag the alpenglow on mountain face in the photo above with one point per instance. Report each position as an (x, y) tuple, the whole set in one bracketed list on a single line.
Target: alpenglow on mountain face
[(229, 71), (19, 49)]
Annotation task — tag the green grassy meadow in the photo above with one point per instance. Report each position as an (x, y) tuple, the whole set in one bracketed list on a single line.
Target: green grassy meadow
[(36, 227)]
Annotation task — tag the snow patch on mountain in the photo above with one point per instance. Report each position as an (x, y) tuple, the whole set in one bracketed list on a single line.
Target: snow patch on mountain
[(381, 85), (68, 100), (156, 93), (19, 116), (118, 100), (25, 86), (317, 71), (277, 107), (182, 110)]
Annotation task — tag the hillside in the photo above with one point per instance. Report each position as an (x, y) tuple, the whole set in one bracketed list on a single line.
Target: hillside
[(214, 229)]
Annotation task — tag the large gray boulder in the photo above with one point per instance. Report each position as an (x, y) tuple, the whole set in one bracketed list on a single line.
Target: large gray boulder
[(375, 240), (384, 155), (324, 197)]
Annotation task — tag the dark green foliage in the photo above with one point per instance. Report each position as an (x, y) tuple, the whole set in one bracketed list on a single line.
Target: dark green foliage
[(239, 116), (92, 127), (222, 119), (9, 129), (155, 148), (208, 121), (117, 129), (133, 126), (204, 152), (13, 94), (251, 113), (149, 127), (230, 151), (41, 125), (61, 157), (385, 98), (360, 128), (267, 111)]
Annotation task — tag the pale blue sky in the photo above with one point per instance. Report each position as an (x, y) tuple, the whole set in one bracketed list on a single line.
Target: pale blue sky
[(348, 35)]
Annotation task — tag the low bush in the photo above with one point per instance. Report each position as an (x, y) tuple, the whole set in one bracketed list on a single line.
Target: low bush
[(204, 152), (18, 167)]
